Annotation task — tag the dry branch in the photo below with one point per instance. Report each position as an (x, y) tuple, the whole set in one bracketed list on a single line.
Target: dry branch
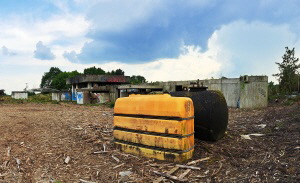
[(197, 161), (85, 181), (172, 177), (173, 170), (100, 152), (189, 167), (118, 165), (8, 151), (184, 173), (215, 173), (115, 158)]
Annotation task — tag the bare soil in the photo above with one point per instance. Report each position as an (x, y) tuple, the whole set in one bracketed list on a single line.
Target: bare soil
[(36, 139)]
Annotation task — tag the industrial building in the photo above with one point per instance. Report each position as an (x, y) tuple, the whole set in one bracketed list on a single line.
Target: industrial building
[(243, 92)]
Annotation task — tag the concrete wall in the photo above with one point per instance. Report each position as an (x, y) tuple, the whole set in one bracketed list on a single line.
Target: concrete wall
[(244, 92), (56, 96), (79, 97), (66, 96), (229, 87), (102, 97), (19, 95), (254, 93)]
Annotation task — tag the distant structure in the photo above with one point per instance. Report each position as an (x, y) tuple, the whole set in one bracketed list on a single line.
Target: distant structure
[(95, 88), (19, 94), (2, 92), (243, 92), (104, 88)]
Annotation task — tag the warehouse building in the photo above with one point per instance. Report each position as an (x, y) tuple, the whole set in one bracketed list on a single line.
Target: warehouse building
[(243, 92)]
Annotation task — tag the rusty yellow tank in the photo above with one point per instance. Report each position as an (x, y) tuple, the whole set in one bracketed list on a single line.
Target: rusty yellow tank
[(155, 126)]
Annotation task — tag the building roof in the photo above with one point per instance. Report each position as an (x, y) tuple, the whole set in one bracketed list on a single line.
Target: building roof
[(140, 86), (117, 79)]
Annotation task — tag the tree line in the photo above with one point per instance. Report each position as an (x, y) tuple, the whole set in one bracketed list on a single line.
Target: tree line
[(288, 76), (56, 79)]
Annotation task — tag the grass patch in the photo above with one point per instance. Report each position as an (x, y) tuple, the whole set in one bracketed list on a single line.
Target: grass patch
[(38, 98)]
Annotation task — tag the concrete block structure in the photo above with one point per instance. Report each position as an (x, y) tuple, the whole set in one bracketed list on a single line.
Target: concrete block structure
[(61, 95), (19, 94), (243, 92), (96, 88)]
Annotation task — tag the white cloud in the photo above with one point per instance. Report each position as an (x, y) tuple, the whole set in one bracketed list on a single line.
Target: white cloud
[(63, 32), (71, 56), (236, 48), (43, 52), (251, 48)]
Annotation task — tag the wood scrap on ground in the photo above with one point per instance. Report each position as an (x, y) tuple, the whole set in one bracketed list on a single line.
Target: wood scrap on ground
[(197, 161), (172, 177), (173, 170), (187, 171), (85, 181), (188, 167)]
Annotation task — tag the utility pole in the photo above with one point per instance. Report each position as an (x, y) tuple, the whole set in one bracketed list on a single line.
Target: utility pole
[(26, 86)]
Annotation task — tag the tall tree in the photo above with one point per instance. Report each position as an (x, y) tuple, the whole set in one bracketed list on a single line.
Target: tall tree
[(59, 81), (49, 76), (93, 70), (116, 72), (137, 79), (288, 74)]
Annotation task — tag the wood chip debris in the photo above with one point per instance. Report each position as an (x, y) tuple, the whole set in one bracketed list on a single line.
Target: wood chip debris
[(187, 171), (67, 160), (247, 137), (172, 177), (118, 165), (3, 175), (173, 170), (197, 161), (188, 167), (160, 165), (100, 152), (18, 161), (5, 164), (85, 181), (8, 151), (115, 158)]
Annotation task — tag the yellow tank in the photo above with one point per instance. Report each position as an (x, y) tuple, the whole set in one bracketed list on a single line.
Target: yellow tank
[(155, 126)]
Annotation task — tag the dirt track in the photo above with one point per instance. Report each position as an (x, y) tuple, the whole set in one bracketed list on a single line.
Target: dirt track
[(41, 136)]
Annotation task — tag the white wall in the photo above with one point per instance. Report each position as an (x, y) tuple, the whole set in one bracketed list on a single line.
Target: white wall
[(19, 95)]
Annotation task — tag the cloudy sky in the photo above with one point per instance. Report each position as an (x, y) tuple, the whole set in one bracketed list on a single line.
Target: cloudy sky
[(161, 40)]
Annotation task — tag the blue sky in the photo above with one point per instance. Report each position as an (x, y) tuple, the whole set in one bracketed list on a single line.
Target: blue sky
[(162, 40)]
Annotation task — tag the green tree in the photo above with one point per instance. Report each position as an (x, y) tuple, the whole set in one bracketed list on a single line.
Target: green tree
[(287, 76), (116, 72), (273, 90), (49, 76), (59, 82), (137, 79), (93, 70)]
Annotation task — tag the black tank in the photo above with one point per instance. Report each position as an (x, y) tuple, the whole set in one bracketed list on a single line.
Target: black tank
[(211, 113)]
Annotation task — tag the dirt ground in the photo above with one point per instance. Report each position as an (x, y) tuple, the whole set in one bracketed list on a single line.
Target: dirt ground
[(37, 139)]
